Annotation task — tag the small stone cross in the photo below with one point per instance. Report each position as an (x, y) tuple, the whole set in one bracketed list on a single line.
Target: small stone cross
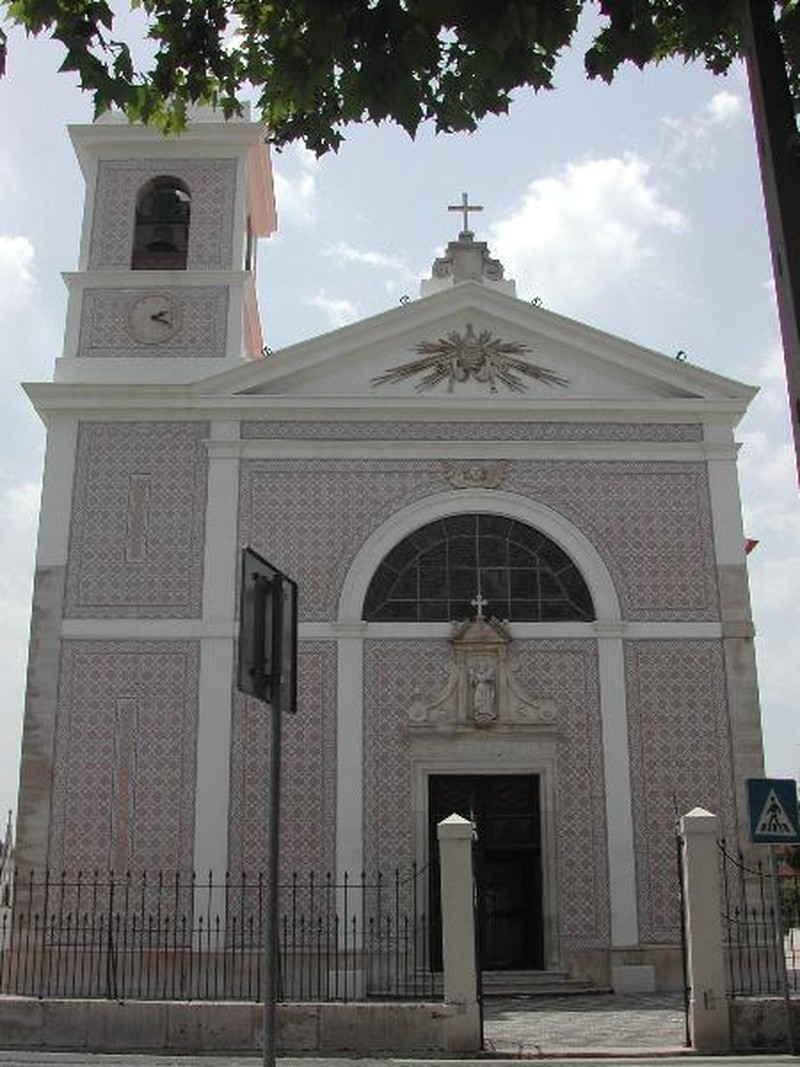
[(479, 604), (465, 207)]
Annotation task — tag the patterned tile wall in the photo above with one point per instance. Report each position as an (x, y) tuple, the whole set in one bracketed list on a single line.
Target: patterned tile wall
[(475, 431), (124, 773), (564, 671), (395, 673), (212, 184), (202, 333), (567, 673), (310, 517), (308, 776), (651, 522), (680, 751), (138, 520)]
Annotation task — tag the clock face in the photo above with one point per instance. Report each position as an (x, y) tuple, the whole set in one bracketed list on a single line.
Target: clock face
[(154, 318)]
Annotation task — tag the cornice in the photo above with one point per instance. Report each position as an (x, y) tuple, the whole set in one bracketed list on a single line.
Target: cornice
[(121, 398), (153, 279), (679, 452)]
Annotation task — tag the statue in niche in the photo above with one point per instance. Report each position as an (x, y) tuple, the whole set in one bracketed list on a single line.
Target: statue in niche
[(481, 694), (482, 679)]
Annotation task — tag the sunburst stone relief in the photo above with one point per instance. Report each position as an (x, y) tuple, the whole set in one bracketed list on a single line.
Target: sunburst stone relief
[(458, 357)]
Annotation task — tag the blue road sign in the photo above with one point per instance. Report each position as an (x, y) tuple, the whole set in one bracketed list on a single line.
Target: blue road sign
[(772, 803)]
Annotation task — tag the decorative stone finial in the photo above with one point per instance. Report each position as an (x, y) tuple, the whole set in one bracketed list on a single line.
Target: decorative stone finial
[(466, 260)]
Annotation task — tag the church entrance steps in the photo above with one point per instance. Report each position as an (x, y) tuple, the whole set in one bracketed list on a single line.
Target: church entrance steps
[(534, 984), (529, 984)]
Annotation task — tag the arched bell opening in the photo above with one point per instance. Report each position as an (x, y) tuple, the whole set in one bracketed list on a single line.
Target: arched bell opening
[(161, 228)]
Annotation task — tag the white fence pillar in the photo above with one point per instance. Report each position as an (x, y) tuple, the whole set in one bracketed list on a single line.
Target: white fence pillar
[(708, 1005), (458, 935)]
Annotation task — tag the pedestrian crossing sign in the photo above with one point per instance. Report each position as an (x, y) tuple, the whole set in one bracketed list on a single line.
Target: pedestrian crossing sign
[(772, 803)]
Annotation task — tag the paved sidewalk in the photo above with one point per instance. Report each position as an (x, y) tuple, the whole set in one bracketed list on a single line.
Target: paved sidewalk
[(535, 1026)]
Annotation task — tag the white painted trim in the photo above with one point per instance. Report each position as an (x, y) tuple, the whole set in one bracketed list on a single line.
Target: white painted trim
[(349, 757), (210, 394), (56, 502), (274, 448), (216, 664), (213, 758), (180, 629), (239, 212), (726, 505), (619, 814), (148, 629), (488, 501)]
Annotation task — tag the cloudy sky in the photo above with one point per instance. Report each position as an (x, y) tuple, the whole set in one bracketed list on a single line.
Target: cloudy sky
[(635, 208)]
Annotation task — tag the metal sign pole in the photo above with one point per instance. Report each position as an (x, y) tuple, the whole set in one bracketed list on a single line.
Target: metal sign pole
[(271, 911), (273, 833), (267, 670)]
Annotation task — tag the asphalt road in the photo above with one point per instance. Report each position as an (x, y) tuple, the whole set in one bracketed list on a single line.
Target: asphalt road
[(77, 1059)]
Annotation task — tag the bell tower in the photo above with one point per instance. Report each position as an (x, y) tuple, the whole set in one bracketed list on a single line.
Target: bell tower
[(165, 286)]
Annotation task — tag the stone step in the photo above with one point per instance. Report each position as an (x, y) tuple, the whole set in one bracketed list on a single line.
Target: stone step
[(533, 984), (530, 984)]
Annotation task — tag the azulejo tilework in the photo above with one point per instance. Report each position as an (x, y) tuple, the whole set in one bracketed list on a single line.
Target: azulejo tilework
[(125, 794), (212, 185), (310, 517), (163, 578), (395, 672), (651, 522), (566, 672), (679, 738), (473, 431), (308, 775), (203, 323)]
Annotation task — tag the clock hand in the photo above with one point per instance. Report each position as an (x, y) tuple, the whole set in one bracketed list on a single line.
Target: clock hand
[(161, 316)]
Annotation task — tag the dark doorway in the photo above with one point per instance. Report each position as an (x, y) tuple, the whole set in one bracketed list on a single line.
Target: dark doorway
[(508, 860)]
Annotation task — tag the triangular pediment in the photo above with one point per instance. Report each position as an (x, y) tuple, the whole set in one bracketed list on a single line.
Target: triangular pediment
[(472, 343)]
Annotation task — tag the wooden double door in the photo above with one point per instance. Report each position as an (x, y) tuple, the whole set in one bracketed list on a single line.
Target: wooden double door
[(508, 864)]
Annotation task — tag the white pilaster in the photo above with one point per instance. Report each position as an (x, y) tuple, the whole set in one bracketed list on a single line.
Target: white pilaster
[(350, 750), (216, 661), (616, 772), (59, 474), (723, 484)]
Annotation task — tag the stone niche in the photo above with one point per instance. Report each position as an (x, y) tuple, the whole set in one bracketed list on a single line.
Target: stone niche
[(481, 693)]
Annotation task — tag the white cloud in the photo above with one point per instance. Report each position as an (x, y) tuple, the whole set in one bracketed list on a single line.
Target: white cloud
[(295, 177), (17, 281), (595, 220), (692, 135), (772, 515), (18, 510), (345, 253), (724, 108), (337, 310)]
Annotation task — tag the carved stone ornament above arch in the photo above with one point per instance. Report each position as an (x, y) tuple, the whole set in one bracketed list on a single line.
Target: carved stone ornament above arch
[(476, 473), (481, 693)]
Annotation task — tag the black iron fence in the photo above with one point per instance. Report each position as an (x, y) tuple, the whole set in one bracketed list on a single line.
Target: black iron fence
[(177, 937), (761, 902)]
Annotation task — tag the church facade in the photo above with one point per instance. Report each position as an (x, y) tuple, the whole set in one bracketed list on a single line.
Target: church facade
[(519, 553)]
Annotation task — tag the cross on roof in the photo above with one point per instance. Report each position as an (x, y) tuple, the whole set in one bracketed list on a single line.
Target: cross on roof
[(465, 207), (479, 603)]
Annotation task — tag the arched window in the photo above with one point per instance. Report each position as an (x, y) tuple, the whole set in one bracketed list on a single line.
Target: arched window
[(161, 230), (435, 572)]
